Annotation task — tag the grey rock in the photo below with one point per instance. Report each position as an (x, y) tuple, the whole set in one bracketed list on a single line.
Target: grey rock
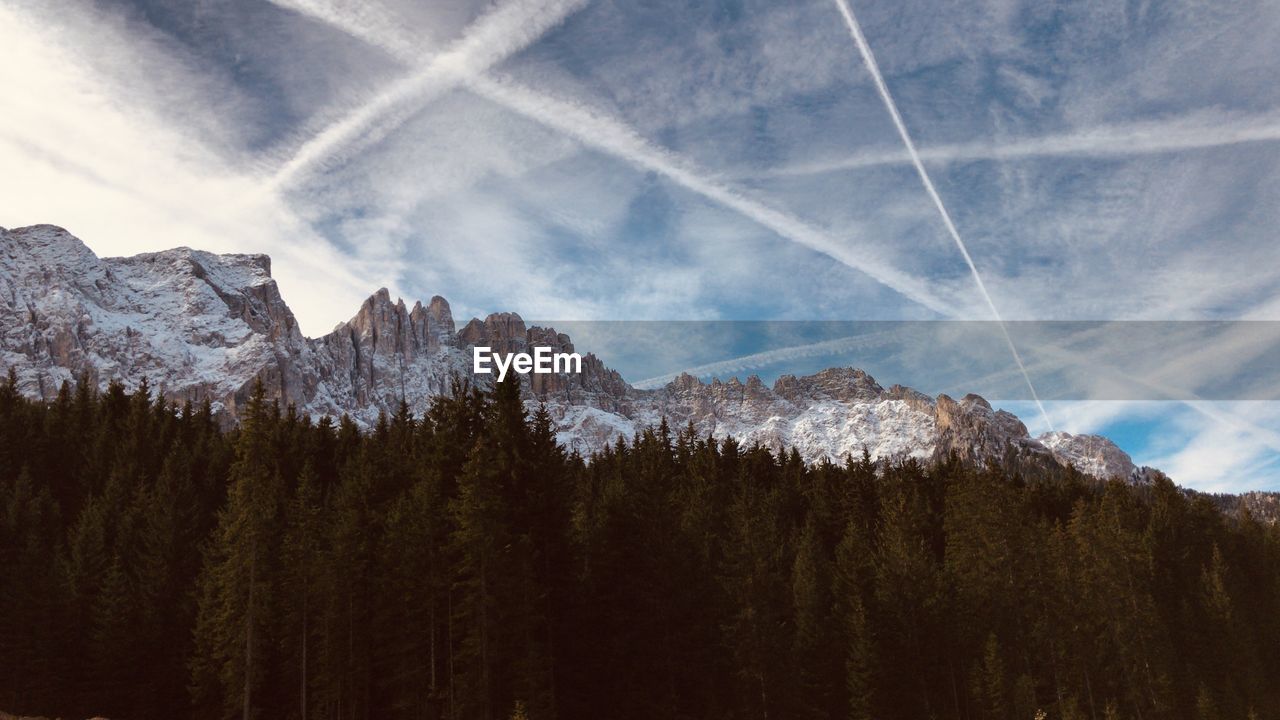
[(201, 326)]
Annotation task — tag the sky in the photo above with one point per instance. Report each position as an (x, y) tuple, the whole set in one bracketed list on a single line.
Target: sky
[(606, 160)]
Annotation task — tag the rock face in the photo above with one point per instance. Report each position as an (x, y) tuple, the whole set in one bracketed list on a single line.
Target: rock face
[(1095, 455), (200, 326), (206, 324), (974, 431)]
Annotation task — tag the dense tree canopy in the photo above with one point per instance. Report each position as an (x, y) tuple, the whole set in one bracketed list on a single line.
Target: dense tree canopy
[(461, 565)]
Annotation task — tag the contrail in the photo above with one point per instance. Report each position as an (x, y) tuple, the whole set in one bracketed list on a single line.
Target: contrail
[(610, 136), (769, 357), (1203, 131), (1186, 396), (361, 19), (488, 41), (874, 68), (1150, 380), (1059, 350), (589, 128)]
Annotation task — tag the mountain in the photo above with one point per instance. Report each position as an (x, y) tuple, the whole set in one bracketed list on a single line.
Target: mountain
[(202, 326)]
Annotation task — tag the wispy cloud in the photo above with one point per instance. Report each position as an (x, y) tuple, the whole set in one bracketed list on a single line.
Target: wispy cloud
[(1151, 379), (368, 21), (127, 178), (1203, 130), (1218, 450), (590, 161), (492, 38), (598, 131), (870, 59), (776, 356)]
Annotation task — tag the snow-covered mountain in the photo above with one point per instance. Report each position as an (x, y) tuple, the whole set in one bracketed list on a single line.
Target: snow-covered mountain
[(1094, 455), (202, 326)]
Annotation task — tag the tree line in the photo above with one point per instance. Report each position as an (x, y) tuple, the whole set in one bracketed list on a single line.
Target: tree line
[(461, 565)]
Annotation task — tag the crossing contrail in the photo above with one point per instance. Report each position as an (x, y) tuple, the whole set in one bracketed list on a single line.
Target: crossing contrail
[(470, 68), (869, 58), (608, 135)]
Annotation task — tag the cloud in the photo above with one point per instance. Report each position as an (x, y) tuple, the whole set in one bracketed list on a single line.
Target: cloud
[(1218, 449), (492, 38), (642, 160), (606, 134), (589, 127), (128, 179), (368, 21), (1211, 447), (869, 58), (1199, 131), (790, 354)]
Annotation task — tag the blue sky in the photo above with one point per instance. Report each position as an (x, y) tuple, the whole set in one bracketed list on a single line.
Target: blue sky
[(621, 160)]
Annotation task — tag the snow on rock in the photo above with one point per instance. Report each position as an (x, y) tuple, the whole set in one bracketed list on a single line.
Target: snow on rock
[(201, 326), (193, 323), (1094, 455)]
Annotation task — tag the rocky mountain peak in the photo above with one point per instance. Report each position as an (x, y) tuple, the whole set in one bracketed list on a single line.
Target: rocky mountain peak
[(505, 332), (47, 242), (912, 398), (843, 384), (1092, 454), (684, 382), (973, 430), (188, 320), (48, 256), (241, 282), (382, 326), (248, 268), (205, 326), (438, 318)]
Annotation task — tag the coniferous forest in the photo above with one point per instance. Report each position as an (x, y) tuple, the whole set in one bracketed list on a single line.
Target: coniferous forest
[(459, 564)]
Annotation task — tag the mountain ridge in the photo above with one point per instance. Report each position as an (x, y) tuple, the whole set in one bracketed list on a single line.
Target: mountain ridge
[(201, 326)]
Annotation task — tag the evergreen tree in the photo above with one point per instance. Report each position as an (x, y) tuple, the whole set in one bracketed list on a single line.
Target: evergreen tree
[(303, 560), (29, 593), (852, 575), (817, 656), (233, 626), (481, 546), (462, 565)]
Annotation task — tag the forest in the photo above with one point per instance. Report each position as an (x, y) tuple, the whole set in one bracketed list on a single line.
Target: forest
[(454, 562)]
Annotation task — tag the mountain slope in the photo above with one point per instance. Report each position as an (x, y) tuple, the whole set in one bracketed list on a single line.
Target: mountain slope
[(200, 326)]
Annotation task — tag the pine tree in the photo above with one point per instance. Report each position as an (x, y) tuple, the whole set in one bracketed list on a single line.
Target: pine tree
[(236, 597), (1206, 706), (113, 654), (464, 566), (164, 567), (349, 578), (817, 655), (480, 544), (755, 581), (301, 552), (991, 681), (30, 599), (852, 574)]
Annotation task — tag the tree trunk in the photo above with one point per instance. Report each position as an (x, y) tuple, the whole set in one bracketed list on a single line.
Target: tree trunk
[(484, 640), (305, 608), (248, 639)]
